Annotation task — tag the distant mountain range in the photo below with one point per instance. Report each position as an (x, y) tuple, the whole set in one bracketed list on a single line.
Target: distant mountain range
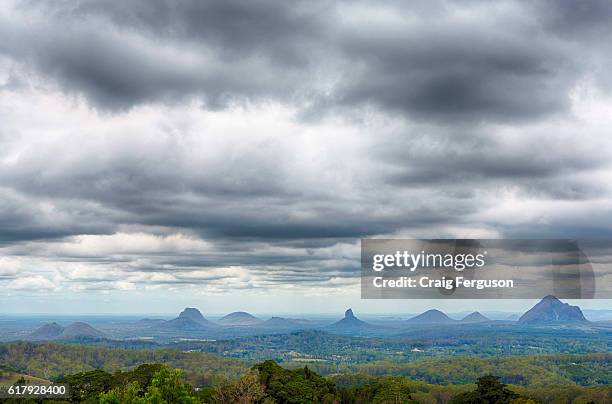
[(549, 311), (191, 319), (552, 310), (434, 316), (54, 331)]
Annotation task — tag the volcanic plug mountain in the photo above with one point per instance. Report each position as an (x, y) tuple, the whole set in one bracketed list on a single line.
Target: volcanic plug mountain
[(76, 330), (47, 331), (190, 319), (239, 318), (552, 310), (474, 317), (432, 316), (80, 330), (350, 323)]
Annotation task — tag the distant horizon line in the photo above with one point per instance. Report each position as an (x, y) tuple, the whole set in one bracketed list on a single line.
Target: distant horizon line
[(215, 315), (259, 313)]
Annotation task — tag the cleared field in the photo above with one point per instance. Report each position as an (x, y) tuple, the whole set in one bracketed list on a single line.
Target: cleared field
[(9, 378)]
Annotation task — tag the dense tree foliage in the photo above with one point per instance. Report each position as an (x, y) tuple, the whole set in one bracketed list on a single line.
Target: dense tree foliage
[(166, 387), (86, 386), (117, 376), (381, 390), (535, 371), (489, 390), (52, 361), (299, 386), (268, 383), (247, 389)]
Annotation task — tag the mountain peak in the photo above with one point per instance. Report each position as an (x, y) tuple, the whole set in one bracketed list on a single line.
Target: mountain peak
[(188, 320), (475, 317), (431, 316), (192, 313), (239, 318), (47, 331), (551, 310), (80, 329), (76, 330), (350, 323)]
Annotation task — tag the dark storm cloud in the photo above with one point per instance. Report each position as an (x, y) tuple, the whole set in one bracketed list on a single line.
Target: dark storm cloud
[(427, 62), (232, 27), (493, 163), (576, 20), (119, 76), (23, 219), (458, 73), (251, 197), (163, 51)]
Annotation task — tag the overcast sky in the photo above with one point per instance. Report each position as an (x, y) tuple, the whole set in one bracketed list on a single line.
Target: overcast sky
[(230, 154)]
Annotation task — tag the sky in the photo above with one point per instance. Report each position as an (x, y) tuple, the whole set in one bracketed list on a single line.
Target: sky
[(230, 155)]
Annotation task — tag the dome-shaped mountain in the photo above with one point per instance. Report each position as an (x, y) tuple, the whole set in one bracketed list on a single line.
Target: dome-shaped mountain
[(474, 317), (80, 330), (47, 331), (239, 318), (552, 310), (193, 314), (76, 330), (432, 316)]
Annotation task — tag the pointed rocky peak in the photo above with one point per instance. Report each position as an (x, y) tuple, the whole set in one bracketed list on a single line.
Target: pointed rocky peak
[(349, 322), (552, 310)]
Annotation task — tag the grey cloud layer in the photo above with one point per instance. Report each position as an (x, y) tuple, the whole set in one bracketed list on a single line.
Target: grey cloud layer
[(430, 60), (296, 128)]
